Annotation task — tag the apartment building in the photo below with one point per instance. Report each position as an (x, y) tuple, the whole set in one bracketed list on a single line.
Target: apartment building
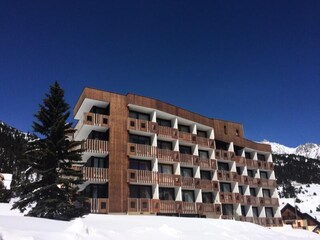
[(144, 156)]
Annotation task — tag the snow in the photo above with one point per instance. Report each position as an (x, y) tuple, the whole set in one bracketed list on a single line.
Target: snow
[(309, 150), (309, 201), (7, 180), (14, 226)]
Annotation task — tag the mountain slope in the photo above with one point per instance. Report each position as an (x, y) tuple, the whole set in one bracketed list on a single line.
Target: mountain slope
[(309, 150)]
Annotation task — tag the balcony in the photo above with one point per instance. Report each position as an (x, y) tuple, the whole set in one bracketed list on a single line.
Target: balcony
[(167, 132), (269, 201), (265, 165), (185, 136), (252, 200), (252, 163), (93, 174), (139, 205), (142, 176), (225, 175), (187, 182), (267, 183), (141, 125), (268, 222), (253, 182), (167, 206), (95, 146), (98, 205), (223, 154), (186, 159), (205, 163), (89, 122), (202, 141), (167, 155), (228, 197), (169, 180), (240, 161), (142, 150), (206, 184), (209, 208)]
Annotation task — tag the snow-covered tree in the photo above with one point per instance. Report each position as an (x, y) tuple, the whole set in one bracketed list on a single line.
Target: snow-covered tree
[(50, 186)]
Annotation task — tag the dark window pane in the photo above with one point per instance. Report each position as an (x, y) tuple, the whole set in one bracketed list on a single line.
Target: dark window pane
[(138, 139), (164, 145), (165, 168), (138, 115), (261, 157), (185, 149), (203, 154), (225, 187), (205, 175), (248, 155), (243, 211), (223, 166), (263, 175), (269, 212), (239, 170), (202, 133), (255, 212), (140, 191), (207, 197), (222, 145), (183, 128), (164, 122), (166, 194), (139, 164), (250, 173), (186, 172), (253, 192), (266, 193), (187, 196), (241, 190), (227, 209)]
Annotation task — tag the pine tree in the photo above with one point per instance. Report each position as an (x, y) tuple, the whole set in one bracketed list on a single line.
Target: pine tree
[(50, 181)]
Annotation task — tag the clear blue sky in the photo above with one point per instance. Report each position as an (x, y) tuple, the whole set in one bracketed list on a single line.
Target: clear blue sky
[(254, 62)]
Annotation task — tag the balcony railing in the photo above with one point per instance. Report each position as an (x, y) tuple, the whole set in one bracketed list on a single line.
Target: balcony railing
[(93, 119), (95, 174), (269, 201), (225, 175), (98, 205), (186, 159), (240, 161), (252, 163), (223, 154), (189, 208), (184, 136), (205, 163), (167, 206), (142, 150), (265, 165), (168, 179), (188, 182), (209, 208), (141, 125), (252, 200), (142, 176), (167, 132), (95, 146), (138, 205), (167, 155), (267, 183), (202, 141)]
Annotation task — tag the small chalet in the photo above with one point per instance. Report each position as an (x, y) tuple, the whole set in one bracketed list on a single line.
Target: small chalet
[(291, 215)]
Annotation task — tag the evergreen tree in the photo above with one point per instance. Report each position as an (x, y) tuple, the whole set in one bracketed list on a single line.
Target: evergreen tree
[(50, 186)]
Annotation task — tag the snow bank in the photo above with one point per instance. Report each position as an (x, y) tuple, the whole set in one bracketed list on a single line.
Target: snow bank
[(121, 227)]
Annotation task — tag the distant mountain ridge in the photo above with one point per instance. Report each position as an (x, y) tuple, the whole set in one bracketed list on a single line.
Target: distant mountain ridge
[(309, 150)]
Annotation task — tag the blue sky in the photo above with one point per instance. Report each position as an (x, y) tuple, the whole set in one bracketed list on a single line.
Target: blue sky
[(254, 62)]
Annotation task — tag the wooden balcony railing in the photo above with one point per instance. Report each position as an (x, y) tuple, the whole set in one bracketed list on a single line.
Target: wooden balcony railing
[(184, 136), (188, 182), (96, 119), (168, 179), (267, 183), (142, 150), (189, 208), (167, 155), (240, 161), (204, 184), (268, 222), (252, 200), (98, 205), (95, 174), (167, 132), (227, 197), (254, 182), (167, 206), (225, 175), (209, 208), (142, 176), (95, 146), (202, 141), (252, 163), (141, 125), (223, 154), (265, 165), (204, 163), (138, 205), (186, 159), (269, 201)]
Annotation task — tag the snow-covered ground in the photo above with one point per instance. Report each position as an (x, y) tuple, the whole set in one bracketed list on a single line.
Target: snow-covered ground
[(14, 226), (309, 196)]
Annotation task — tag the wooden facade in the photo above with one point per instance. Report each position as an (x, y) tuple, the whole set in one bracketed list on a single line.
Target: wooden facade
[(143, 177)]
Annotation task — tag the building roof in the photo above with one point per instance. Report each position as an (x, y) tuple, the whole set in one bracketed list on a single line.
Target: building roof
[(299, 214)]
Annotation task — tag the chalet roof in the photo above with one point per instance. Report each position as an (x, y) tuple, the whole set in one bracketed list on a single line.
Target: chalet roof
[(299, 214)]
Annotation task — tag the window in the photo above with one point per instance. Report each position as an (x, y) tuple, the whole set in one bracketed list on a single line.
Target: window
[(139, 164), (163, 122), (248, 155), (187, 196), (269, 212), (227, 209), (186, 172), (263, 175), (223, 166), (165, 168), (222, 145), (184, 149), (99, 135), (96, 191), (250, 173), (255, 212), (239, 170), (166, 194), (89, 118), (99, 110), (183, 128), (261, 157), (97, 162), (266, 193), (138, 139), (205, 175), (164, 145), (201, 133), (253, 192), (203, 154), (139, 115), (207, 197), (243, 210), (225, 187), (140, 191), (241, 191)]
